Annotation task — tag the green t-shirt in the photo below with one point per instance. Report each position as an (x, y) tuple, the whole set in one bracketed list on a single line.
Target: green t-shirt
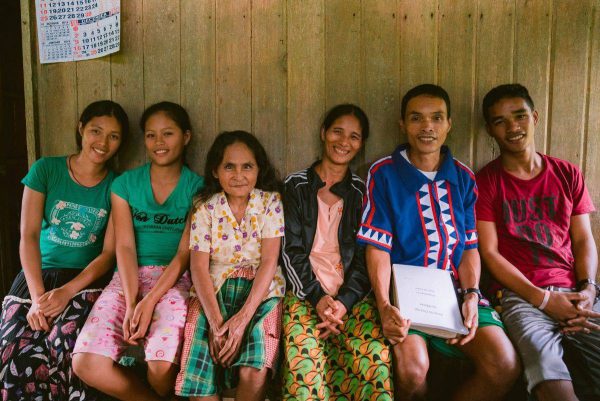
[(75, 217), (157, 228)]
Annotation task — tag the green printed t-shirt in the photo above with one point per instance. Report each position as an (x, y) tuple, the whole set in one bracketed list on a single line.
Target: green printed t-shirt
[(157, 228), (75, 217)]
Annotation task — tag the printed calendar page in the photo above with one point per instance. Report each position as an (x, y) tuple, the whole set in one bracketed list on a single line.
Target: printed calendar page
[(72, 30)]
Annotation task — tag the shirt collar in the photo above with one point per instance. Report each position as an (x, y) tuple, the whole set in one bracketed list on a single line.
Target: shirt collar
[(414, 179), (256, 204), (339, 188)]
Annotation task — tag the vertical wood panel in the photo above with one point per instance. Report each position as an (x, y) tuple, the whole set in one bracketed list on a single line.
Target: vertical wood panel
[(592, 165), (269, 77), (418, 43), (342, 52), (569, 79), (381, 64), (533, 41), (58, 108), (234, 58), (93, 81), (127, 73), (31, 75), (161, 51), (494, 65), (306, 81), (198, 76), (457, 21)]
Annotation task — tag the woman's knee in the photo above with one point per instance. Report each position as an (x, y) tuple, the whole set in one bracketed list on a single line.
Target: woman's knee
[(161, 376), (90, 367), (253, 375)]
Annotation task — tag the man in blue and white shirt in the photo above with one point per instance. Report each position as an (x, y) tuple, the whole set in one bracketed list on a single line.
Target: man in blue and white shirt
[(420, 210)]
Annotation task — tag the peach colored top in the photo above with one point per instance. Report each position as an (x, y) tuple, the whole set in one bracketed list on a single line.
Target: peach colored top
[(325, 255)]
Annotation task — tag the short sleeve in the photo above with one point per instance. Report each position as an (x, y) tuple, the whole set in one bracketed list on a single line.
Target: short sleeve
[(119, 187), (273, 226), (582, 202), (376, 225), (37, 177), (200, 233), (485, 199)]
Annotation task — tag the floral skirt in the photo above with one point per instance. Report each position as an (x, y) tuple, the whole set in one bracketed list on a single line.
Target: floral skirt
[(36, 365), (353, 365)]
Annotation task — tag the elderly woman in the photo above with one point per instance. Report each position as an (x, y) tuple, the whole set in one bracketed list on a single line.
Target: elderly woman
[(333, 346)]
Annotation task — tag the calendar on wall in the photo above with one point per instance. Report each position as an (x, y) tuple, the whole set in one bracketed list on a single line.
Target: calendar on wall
[(72, 30)]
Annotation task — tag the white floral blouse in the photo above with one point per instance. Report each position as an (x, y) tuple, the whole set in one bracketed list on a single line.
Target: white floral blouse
[(234, 247)]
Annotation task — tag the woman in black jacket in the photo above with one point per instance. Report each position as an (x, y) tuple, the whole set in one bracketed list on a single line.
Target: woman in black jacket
[(333, 344)]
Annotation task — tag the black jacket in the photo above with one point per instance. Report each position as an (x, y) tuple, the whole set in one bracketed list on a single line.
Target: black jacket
[(301, 213)]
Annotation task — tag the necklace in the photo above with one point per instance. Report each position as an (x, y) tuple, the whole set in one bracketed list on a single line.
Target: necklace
[(75, 177)]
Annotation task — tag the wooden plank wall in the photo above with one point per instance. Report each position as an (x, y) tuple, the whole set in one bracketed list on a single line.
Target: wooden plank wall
[(274, 67)]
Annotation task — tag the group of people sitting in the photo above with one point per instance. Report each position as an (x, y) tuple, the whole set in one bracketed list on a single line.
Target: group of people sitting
[(230, 279)]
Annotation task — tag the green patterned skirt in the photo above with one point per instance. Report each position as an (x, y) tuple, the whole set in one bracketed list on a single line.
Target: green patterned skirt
[(354, 365), (199, 376)]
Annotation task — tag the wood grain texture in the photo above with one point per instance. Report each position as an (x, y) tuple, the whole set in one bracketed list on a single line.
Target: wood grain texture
[(162, 51), (381, 98), (127, 81), (306, 82), (269, 77), (591, 166), (458, 21), (533, 43), (569, 79), (234, 60), (31, 74), (93, 81), (198, 75), (495, 42)]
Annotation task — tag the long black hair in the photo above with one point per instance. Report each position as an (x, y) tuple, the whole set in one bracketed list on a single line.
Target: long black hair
[(267, 180)]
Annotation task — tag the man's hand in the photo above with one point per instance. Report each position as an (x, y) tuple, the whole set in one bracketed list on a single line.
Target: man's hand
[(585, 311), (470, 311), (562, 306), (395, 327)]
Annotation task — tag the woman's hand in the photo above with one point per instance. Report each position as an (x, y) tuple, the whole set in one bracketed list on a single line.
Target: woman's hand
[(329, 313), (140, 319), (53, 302), (36, 318), (127, 324), (235, 328), (215, 343)]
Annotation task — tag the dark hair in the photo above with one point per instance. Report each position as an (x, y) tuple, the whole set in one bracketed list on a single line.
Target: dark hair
[(174, 111), (268, 179), (347, 109), (505, 91), (427, 90), (103, 108)]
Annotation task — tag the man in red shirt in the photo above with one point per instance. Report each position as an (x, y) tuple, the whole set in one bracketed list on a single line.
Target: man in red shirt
[(536, 240)]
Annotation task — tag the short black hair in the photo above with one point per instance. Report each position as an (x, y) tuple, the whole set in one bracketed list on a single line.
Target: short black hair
[(505, 91), (347, 109), (103, 108), (267, 180), (427, 90), (174, 111)]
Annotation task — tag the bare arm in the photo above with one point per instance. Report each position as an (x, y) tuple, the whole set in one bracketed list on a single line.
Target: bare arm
[(54, 301), (125, 249), (32, 211), (502, 270), (560, 305), (585, 254), (204, 288), (469, 271), (142, 315), (236, 325), (379, 267)]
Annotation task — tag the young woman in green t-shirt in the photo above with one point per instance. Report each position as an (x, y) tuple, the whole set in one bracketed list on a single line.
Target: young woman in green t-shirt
[(67, 246), (146, 301)]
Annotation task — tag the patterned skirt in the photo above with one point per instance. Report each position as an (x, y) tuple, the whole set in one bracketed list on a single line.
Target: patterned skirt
[(354, 365), (36, 365), (199, 375)]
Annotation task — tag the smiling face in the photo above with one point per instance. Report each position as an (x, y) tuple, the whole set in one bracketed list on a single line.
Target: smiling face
[(164, 140), (426, 124), (238, 171), (512, 124), (100, 138), (342, 140)]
